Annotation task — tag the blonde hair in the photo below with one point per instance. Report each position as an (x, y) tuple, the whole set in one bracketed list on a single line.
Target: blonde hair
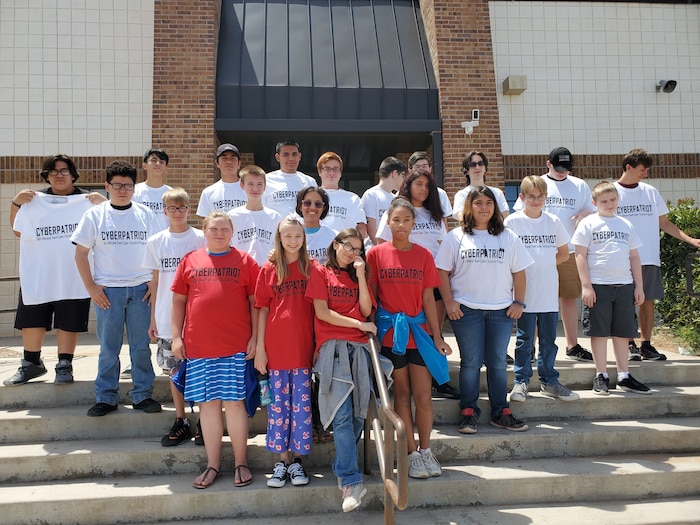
[(252, 169), (178, 195), (279, 261), (532, 182), (216, 215), (603, 187)]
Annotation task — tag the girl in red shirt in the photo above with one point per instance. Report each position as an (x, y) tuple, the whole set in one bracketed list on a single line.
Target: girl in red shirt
[(285, 348)]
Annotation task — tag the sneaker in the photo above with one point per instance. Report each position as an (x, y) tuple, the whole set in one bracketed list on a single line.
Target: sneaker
[(635, 354), (431, 463), (148, 405), (101, 409), (26, 372), (352, 496), (297, 474), (649, 353), (509, 360), (179, 433), (578, 353), (446, 390), (279, 476), (600, 385), (558, 391), (416, 467), (519, 392), (64, 372), (508, 421), (126, 374), (630, 384), (198, 436), (468, 423)]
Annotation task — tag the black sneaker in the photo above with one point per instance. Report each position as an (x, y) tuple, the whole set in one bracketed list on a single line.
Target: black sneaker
[(634, 354), (446, 390), (64, 372), (509, 360), (26, 372), (101, 409), (198, 436), (179, 433), (148, 405), (649, 353), (630, 384), (468, 423), (600, 385), (507, 420), (578, 353)]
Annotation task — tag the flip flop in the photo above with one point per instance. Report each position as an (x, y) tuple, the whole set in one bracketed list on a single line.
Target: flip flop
[(237, 472), (204, 478)]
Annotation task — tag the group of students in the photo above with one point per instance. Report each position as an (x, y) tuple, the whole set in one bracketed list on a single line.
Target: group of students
[(266, 281)]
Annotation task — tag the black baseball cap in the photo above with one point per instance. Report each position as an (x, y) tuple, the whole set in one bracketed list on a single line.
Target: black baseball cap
[(561, 159), (227, 147)]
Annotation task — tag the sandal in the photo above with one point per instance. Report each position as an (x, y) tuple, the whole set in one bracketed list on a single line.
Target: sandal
[(202, 484), (237, 476)]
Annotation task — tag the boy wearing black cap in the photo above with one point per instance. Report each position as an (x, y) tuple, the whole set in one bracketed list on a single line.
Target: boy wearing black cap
[(226, 193)]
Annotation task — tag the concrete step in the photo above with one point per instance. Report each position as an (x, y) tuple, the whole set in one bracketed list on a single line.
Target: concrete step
[(106, 458), (518, 482)]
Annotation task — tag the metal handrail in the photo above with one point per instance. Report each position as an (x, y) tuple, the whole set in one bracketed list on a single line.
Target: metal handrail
[(395, 488), (689, 281)]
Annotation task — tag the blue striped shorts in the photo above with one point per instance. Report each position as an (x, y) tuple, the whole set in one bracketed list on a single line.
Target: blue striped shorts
[(216, 378)]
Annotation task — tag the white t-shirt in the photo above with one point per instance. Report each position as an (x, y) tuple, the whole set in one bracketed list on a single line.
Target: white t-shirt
[(281, 190), (317, 243), (461, 198), (375, 201), (153, 199), (47, 270), (565, 199), (541, 237), (609, 241), (482, 266), (254, 231), (163, 253), (345, 210), (117, 239), (643, 206), (444, 203), (426, 232), (221, 196)]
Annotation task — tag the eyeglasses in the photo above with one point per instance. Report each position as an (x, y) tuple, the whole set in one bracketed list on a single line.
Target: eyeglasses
[(535, 198), (179, 209), (316, 204), (473, 164), (119, 186), (349, 248), (334, 169), (64, 172)]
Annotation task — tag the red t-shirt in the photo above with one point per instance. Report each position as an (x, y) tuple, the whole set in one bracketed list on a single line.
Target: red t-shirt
[(289, 332), (401, 277), (343, 297), (217, 313)]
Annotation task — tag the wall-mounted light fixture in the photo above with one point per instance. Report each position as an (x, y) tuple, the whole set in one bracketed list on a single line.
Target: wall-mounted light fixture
[(514, 85), (667, 86)]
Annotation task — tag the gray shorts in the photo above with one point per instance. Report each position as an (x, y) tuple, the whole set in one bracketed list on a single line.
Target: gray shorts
[(613, 314), (164, 355), (653, 284)]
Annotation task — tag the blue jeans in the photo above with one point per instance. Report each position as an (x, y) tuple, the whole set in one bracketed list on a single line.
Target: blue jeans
[(546, 324), (347, 430), (126, 308), (483, 336)]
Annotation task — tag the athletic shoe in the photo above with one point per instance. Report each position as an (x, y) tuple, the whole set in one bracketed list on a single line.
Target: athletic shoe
[(198, 436), (352, 496), (297, 474), (558, 391), (126, 374), (431, 463), (179, 433), (26, 372), (148, 405), (635, 354), (630, 384), (101, 409), (509, 360), (64, 372), (416, 467), (601, 385), (468, 423), (649, 353), (507, 420), (519, 392), (279, 476), (578, 353), (446, 390)]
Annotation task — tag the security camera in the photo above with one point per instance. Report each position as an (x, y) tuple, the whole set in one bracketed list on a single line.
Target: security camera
[(475, 114), (667, 86)]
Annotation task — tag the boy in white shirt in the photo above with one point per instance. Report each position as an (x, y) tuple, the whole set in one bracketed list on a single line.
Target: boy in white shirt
[(375, 201), (345, 209), (254, 225), (226, 193), (150, 192), (283, 185), (611, 279)]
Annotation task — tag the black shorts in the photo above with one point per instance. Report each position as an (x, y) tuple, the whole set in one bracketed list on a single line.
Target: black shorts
[(411, 356), (613, 313), (436, 294), (70, 315), (653, 284)]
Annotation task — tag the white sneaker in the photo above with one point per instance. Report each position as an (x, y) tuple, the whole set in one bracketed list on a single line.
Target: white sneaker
[(519, 392), (279, 476), (416, 466), (431, 463), (352, 496), (297, 474)]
